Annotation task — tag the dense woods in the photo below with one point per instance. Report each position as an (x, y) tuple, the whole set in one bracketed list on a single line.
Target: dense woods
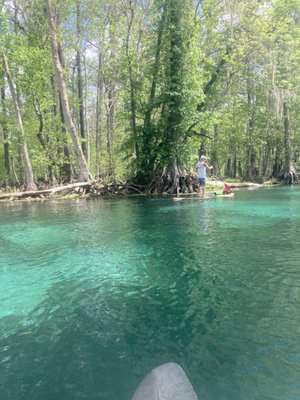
[(133, 91)]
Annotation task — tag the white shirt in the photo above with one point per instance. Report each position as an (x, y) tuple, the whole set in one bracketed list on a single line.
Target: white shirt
[(201, 169)]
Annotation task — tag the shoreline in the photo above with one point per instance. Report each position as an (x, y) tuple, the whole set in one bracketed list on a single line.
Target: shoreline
[(90, 190)]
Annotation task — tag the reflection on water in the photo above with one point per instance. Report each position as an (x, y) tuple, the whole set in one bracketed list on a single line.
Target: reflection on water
[(94, 294)]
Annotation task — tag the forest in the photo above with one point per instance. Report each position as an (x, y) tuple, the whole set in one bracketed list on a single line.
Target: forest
[(133, 91)]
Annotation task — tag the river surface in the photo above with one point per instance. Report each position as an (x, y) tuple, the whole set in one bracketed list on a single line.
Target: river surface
[(96, 293)]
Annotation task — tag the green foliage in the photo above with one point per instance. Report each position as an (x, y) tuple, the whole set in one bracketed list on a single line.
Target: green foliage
[(176, 78)]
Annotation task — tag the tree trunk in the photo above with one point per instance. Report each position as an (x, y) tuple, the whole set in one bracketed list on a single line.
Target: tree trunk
[(79, 85), (170, 176), (130, 18), (44, 141), (174, 102), (67, 170), (110, 112), (99, 104), (289, 169), (227, 171), (234, 162), (250, 148), (148, 160), (29, 179), (7, 179), (277, 160), (83, 172), (65, 174)]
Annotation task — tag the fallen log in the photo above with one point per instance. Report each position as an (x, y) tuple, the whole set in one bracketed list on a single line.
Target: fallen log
[(45, 192), (92, 189)]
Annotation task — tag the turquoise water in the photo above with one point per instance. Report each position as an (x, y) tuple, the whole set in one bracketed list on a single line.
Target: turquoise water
[(94, 294)]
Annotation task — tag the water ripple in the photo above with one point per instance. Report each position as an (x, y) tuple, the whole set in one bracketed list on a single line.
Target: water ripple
[(95, 294)]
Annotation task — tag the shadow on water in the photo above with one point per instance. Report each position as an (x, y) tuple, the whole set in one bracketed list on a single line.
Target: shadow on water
[(62, 351), (98, 342)]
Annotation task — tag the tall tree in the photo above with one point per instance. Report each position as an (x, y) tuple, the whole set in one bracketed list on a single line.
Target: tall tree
[(173, 92), (29, 178), (5, 132), (79, 81), (148, 152), (99, 119), (83, 170), (286, 76)]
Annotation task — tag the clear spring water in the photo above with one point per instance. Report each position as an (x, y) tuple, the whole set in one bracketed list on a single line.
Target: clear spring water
[(94, 294)]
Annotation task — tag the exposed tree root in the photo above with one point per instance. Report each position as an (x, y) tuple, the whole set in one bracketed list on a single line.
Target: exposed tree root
[(291, 178), (171, 180)]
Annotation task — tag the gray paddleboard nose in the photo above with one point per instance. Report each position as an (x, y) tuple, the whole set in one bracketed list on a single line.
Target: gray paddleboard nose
[(166, 382)]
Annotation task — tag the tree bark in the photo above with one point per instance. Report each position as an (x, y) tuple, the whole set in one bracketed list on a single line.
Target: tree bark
[(44, 141), (79, 85), (110, 114), (29, 179), (251, 155), (148, 160), (130, 18), (67, 170), (277, 160), (83, 171), (5, 133), (99, 103), (289, 169)]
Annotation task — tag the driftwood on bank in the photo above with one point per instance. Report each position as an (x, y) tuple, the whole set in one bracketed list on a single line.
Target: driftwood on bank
[(44, 193), (91, 189)]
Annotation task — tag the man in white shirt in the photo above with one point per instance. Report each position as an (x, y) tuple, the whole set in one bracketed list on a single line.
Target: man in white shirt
[(201, 166)]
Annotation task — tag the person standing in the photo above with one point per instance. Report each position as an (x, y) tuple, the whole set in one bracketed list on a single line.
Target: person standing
[(201, 166)]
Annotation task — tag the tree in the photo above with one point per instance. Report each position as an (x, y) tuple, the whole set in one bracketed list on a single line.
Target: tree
[(29, 179), (174, 91), (79, 82), (6, 37), (286, 74), (83, 170), (136, 89), (7, 167)]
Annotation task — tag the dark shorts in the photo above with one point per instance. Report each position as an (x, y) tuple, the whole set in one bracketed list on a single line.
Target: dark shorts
[(201, 181)]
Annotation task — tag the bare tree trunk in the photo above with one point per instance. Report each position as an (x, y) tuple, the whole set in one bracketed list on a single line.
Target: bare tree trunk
[(14, 171), (234, 162), (227, 171), (251, 156), (65, 174), (231, 165), (5, 134), (148, 162), (44, 141), (110, 125), (84, 174), (67, 168), (29, 179), (86, 119), (277, 160), (130, 17), (79, 84), (99, 113), (265, 150), (289, 169)]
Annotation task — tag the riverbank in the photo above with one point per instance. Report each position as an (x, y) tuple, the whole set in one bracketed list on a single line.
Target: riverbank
[(97, 189)]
